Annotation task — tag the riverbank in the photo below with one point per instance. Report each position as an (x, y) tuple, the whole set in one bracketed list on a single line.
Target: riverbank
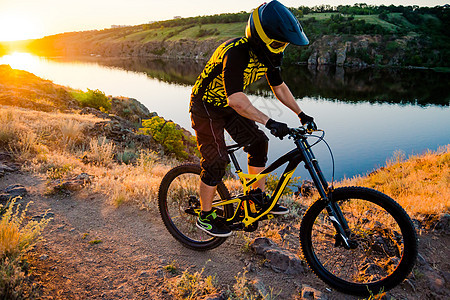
[(75, 161), (357, 37), (354, 51)]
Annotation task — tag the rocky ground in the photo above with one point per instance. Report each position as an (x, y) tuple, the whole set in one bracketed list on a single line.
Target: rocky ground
[(93, 250)]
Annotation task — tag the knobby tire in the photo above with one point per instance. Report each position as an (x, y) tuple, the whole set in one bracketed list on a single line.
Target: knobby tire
[(165, 197), (313, 253)]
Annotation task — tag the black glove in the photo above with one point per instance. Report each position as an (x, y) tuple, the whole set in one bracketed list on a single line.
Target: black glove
[(277, 129), (308, 121)]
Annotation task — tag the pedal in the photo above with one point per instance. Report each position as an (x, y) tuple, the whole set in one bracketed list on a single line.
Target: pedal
[(192, 211)]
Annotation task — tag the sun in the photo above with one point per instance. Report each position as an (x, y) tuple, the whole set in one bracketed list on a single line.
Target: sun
[(18, 27)]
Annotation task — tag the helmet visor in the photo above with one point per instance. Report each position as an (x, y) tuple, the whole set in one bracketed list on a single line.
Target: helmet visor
[(277, 44)]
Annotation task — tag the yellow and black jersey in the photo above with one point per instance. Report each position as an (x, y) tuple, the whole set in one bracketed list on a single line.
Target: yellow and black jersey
[(232, 67)]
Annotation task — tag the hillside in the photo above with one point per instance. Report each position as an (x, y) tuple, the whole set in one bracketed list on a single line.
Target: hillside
[(356, 36), (95, 182)]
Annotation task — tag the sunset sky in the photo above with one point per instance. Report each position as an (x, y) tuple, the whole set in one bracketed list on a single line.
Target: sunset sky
[(24, 19)]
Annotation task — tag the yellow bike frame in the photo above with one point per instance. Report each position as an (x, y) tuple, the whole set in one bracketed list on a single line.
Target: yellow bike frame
[(247, 180)]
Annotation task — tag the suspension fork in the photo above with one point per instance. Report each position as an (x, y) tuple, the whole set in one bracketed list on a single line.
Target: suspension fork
[(334, 211)]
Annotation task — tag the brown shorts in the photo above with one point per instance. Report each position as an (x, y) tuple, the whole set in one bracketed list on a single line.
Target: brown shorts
[(209, 124)]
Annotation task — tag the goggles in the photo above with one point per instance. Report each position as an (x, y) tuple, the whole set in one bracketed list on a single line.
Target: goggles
[(273, 45)]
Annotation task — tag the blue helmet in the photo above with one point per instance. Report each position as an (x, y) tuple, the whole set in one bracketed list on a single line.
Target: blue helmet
[(272, 26)]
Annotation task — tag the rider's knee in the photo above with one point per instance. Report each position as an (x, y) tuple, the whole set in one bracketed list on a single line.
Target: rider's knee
[(213, 171), (257, 152)]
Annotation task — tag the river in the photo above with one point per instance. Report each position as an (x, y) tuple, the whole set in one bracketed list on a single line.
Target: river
[(368, 115)]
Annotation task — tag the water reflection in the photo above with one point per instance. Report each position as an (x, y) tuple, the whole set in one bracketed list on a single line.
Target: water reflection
[(180, 72), (419, 87), (374, 85)]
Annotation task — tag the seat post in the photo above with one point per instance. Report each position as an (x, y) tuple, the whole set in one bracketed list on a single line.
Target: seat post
[(230, 150), (234, 160)]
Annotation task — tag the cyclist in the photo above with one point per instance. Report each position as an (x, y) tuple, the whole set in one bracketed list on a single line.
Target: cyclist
[(218, 102)]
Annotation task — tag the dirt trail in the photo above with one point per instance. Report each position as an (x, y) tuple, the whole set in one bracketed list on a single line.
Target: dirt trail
[(133, 247)]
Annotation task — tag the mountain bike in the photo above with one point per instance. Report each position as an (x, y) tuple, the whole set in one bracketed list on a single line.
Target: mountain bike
[(357, 240)]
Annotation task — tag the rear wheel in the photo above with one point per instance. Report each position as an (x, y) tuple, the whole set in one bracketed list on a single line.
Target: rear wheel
[(382, 236), (179, 202)]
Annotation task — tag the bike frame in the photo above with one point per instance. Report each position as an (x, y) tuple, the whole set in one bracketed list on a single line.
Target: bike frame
[(302, 152)]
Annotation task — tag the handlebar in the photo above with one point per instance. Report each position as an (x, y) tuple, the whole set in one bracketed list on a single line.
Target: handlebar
[(294, 133), (299, 131)]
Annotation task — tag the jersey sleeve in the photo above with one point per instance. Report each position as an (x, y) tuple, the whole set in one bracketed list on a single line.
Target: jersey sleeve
[(274, 77), (234, 63)]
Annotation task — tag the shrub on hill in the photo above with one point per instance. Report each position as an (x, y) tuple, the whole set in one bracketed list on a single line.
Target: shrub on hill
[(95, 99), (169, 136)]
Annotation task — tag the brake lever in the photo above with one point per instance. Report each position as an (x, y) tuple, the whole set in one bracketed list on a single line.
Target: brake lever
[(310, 127)]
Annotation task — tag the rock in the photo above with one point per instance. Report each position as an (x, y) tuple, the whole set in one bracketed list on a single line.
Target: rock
[(307, 188), (259, 286), (44, 215), (129, 109), (121, 132), (443, 223), (436, 282), (160, 273), (325, 59), (7, 168), (85, 177), (311, 293), (144, 274), (71, 185), (95, 112), (13, 191), (341, 55), (4, 156), (261, 245), (312, 60), (250, 267), (279, 260)]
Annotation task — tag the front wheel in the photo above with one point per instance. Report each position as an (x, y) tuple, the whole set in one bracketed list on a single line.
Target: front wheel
[(383, 238), (179, 203)]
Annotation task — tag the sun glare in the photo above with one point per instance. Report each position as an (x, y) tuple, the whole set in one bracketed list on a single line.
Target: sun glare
[(21, 61), (15, 27)]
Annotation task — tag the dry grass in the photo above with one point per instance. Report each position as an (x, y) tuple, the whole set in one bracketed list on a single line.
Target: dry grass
[(71, 131), (137, 183), (17, 236), (101, 151), (31, 128), (192, 285), (53, 144), (421, 184)]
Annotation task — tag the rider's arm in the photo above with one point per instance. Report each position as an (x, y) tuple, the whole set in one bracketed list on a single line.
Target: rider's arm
[(283, 94), (242, 105)]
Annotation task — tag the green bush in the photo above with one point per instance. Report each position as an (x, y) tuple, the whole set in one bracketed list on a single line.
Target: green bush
[(272, 182), (207, 32), (95, 99), (165, 133)]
